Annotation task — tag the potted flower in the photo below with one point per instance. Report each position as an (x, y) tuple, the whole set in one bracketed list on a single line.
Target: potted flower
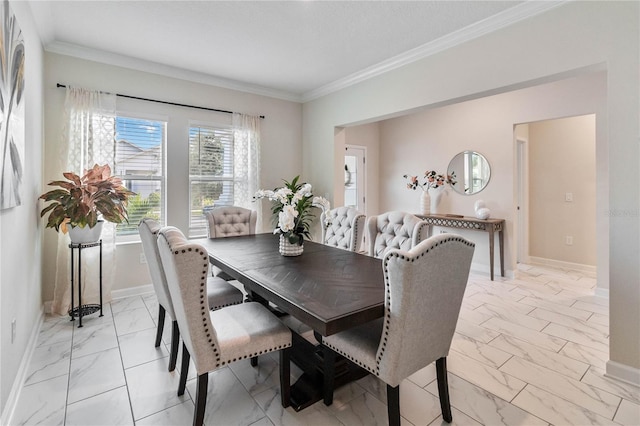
[(292, 208), (431, 180), (81, 203)]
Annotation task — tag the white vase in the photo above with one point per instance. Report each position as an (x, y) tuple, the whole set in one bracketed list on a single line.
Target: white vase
[(288, 249), (85, 235), (425, 203), (435, 199)]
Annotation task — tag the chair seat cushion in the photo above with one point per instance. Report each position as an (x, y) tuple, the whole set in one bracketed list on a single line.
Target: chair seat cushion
[(220, 293), (358, 344), (248, 330)]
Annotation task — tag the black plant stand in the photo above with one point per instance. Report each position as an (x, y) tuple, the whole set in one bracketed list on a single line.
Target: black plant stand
[(82, 310)]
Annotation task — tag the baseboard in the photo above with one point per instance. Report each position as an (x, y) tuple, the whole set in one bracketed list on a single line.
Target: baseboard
[(602, 292), (16, 388), (623, 372), (115, 294), (484, 270), (561, 264), (133, 291)]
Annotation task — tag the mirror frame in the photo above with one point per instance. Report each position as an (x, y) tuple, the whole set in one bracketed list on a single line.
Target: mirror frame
[(461, 178)]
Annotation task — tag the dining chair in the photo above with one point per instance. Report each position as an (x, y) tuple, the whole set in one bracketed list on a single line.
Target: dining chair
[(394, 230), (229, 221), (219, 292), (345, 228), (216, 338), (424, 287)]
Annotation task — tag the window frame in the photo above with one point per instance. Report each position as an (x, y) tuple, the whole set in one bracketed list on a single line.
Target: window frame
[(201, 231), (135, 237)]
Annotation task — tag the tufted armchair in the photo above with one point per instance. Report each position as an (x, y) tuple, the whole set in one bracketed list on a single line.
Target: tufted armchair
[(394, 230), (230, 221), (345, 230), (214, 339), (219, 292), (424, 288)]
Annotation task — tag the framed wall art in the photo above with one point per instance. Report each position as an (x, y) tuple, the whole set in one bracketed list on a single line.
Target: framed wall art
[(12, 127)]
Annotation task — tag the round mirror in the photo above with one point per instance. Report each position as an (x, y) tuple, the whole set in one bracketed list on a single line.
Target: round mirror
[(471, 170)]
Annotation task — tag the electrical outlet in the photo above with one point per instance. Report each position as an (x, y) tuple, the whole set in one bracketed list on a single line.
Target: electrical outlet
[(13, 330), (568, 197), (568, 240), (143, 258)]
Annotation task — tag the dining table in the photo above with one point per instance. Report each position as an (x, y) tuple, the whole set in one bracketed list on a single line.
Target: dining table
[(326, 288)]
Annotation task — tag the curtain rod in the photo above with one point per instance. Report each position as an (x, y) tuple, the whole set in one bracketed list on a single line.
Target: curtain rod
[(167, 102)]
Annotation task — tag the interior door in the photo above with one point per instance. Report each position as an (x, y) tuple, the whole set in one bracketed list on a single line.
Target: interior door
[(354, 177)]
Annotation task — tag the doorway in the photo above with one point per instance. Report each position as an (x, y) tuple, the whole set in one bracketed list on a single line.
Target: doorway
[(555, 199), (354, 177)]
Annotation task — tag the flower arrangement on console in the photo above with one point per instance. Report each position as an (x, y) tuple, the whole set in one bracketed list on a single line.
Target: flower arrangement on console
[(292, 206), (431, 179)]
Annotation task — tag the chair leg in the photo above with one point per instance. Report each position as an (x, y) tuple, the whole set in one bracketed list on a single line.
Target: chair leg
[(201, 399), (254, 361), (175, 340), (393, 405), (329, 373), (285, 377), (443, 389), (184, 370), (161, 313)]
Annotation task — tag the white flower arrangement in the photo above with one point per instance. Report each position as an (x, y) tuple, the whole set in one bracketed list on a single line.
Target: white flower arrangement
[(292, 206)]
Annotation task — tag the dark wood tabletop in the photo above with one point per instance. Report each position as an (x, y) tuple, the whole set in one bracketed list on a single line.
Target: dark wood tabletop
[(327, 288)]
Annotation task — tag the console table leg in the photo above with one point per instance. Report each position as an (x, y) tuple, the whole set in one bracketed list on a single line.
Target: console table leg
[(501, 242), (491, 243)]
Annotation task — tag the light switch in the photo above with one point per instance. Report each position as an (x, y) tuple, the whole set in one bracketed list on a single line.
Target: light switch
[(568, 197)]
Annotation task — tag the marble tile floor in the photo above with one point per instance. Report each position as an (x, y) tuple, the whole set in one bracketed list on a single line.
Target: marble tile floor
[(527, 351)]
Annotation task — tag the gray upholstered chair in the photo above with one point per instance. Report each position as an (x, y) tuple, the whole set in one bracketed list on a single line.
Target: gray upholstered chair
[(394, 230), (345, 230), (216, 338), (219, 292), (424, 288), (230, 221)]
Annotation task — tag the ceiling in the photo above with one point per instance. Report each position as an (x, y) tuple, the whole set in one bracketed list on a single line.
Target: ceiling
[(296, 50)]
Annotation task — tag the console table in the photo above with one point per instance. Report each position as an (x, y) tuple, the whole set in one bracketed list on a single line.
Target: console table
[(488, 225), (81, 309)]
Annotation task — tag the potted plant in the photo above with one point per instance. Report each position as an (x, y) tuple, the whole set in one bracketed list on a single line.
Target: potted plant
[(81, 203), (292, 209)]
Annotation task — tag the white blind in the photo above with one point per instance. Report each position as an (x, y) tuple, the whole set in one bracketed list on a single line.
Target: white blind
[(210, 173), (139, 162)]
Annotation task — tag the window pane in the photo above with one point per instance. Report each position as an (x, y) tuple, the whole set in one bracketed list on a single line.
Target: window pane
[(210, 152), (210, 173), (146, 203), (139, 162), (205, 195)]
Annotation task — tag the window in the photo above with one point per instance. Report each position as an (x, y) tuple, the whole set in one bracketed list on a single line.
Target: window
[(211, 173), (139, 163)]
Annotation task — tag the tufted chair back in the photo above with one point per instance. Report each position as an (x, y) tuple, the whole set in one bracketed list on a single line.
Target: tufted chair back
[(231, 221), (148, 229), (394, 230), (345, 230), (186, 266), (424, 291)]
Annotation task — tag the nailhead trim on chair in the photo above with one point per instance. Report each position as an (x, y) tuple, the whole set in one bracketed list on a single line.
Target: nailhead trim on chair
[(203, 302), (387, 309)]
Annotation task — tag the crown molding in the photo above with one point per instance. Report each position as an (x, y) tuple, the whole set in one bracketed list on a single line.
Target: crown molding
[(124, 61), (504, 19)]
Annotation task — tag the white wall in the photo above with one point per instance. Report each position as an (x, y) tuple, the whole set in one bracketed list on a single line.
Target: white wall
[(560, 43), (20, 227), (428, 140), (281, 133), (562, 159)]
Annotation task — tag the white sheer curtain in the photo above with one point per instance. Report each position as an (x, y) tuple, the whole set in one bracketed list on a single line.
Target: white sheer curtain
[(246, 162), (88, 138)]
